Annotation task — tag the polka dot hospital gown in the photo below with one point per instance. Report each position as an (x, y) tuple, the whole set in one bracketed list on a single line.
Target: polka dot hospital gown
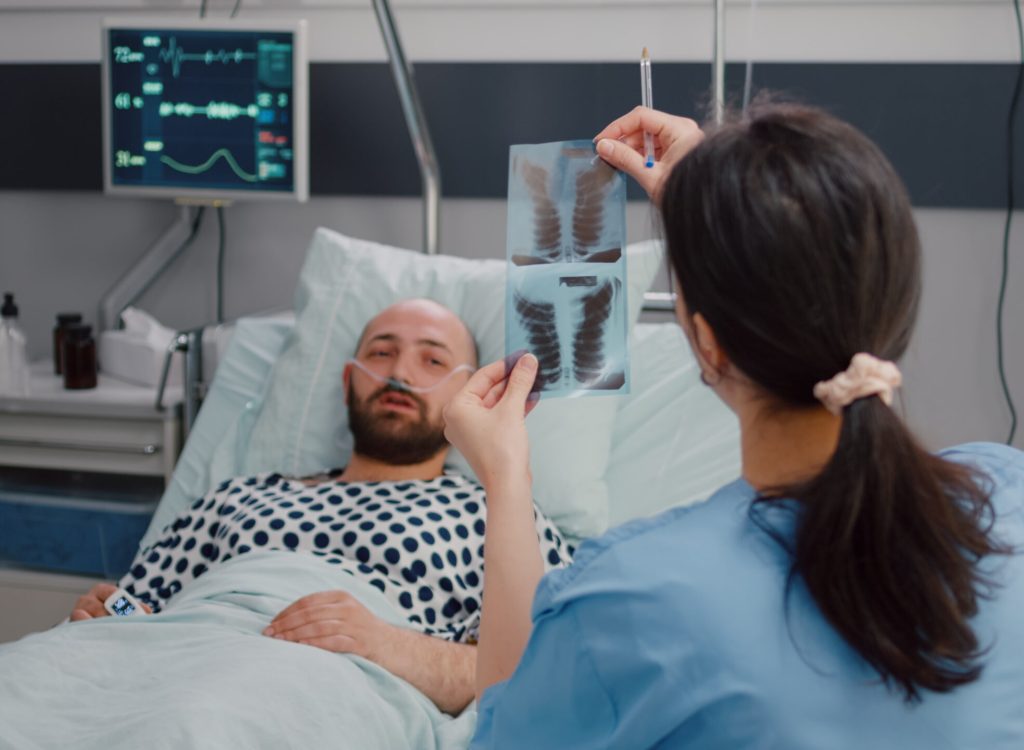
[(419, 542)]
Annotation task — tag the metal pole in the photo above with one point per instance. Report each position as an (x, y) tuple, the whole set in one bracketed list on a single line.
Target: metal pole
[(718, 65), (195, 389), (417, 124)]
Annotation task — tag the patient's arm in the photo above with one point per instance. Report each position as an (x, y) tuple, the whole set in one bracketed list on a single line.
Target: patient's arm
[(336, 621)]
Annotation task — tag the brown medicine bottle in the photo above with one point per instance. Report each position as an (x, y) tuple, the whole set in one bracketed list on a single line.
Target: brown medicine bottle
[(78, 353), (63, 321)]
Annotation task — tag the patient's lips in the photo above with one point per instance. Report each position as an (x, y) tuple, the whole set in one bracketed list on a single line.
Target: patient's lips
[(398, 402)]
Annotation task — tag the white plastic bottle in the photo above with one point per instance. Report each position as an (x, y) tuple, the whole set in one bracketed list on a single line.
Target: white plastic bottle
[(13, 352)]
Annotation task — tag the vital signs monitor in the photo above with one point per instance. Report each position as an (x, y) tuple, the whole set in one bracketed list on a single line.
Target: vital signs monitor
[(205, 109)]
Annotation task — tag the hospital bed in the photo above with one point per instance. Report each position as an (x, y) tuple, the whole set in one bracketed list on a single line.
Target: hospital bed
[(200, 674)]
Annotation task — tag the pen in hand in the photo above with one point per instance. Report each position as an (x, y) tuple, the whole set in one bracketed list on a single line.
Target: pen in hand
[(647, 99)]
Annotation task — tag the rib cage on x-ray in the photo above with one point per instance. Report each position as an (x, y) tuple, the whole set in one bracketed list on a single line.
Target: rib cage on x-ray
[(577, 230), (588, 363), (573, 337), (566, 286), (538, 318)]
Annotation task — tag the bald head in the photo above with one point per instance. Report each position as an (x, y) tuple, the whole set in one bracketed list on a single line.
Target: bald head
[(424, 321)]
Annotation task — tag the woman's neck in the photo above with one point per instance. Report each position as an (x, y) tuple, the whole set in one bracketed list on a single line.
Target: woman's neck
[(783, 446)]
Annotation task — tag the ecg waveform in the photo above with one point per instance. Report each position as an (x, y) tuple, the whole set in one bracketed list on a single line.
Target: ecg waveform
[(212, 110), (175, 56), (206, 165)]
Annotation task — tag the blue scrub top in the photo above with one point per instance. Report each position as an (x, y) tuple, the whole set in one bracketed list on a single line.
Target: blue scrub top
[(672, 632)]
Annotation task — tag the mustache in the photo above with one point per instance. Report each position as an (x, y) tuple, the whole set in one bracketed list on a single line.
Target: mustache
[(384, 389)]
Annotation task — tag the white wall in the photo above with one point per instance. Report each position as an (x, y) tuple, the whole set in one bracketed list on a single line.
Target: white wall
[(606, 30), (952, 392), (60, 251)]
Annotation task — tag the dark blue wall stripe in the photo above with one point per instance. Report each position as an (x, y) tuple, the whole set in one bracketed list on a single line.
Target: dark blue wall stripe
[(941, 124)]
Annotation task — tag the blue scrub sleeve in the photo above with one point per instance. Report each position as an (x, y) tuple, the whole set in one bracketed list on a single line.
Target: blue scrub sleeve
[(555, 699)]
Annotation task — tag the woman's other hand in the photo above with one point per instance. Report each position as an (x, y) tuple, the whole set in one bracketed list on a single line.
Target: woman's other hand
[(486, 420), (621, 144)]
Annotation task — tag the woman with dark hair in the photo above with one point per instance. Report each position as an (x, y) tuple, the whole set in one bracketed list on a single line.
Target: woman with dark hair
[(851, 590)]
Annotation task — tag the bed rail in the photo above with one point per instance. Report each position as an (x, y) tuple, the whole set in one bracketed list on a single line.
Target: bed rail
[(417, 124)]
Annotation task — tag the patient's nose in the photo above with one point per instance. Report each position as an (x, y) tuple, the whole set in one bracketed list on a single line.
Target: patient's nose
[(403, 369)]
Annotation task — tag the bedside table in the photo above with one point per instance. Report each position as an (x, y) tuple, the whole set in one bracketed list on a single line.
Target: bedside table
[(114, 427)]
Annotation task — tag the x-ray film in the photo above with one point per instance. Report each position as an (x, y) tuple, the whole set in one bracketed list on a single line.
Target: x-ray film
[(566, 294)]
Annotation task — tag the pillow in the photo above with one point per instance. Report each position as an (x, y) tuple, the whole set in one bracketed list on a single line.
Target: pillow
[(302, 427)]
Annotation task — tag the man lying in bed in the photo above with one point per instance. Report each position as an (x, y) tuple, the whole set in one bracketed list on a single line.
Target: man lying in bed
[(391, 517)]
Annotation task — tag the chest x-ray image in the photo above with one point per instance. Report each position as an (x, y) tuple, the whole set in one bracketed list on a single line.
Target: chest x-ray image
[(570, 207), (566, 295)]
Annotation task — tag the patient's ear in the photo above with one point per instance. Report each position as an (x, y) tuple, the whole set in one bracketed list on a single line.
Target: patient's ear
[(346, 378)]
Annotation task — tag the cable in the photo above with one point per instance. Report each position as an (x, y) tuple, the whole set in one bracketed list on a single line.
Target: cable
[(220, 264), (1010, 127), (234, 11), (202, 9)]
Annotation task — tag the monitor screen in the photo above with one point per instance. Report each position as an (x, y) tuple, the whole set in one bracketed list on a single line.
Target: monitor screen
[(205, 110)]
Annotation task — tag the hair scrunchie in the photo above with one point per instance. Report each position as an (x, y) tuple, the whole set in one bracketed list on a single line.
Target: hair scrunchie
[(866, 376)]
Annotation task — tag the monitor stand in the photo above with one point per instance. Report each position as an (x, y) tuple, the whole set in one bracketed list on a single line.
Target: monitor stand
[(171, 243)]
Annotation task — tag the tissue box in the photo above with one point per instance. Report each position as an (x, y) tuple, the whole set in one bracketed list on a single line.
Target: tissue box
[(127, 357)]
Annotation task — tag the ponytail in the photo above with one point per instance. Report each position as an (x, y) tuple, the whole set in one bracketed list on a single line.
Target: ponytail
[(887, 543)]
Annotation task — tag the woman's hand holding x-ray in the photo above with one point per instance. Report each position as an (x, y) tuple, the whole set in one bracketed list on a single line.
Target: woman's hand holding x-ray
[(621, 144), (486, 420)]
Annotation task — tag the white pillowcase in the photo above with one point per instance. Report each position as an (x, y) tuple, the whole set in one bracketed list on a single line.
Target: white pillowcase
[(302, 427)]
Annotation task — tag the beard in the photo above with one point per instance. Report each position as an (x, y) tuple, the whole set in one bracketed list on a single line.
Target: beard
[(393, 438)]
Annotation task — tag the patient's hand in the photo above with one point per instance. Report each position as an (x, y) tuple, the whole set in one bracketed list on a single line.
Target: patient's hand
[(90, 605), (334, 621)]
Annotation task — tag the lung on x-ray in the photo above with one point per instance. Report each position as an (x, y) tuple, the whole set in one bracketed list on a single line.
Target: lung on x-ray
[(566, 294)]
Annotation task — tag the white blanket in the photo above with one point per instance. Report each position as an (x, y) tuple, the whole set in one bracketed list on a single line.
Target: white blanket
[(200, 675)]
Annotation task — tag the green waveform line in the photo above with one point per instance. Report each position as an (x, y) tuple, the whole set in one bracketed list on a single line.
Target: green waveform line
[(221, 152), (213, 110), (175, 55)]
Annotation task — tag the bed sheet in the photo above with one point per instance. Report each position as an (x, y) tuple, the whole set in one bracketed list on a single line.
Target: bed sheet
[(200, 675)]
